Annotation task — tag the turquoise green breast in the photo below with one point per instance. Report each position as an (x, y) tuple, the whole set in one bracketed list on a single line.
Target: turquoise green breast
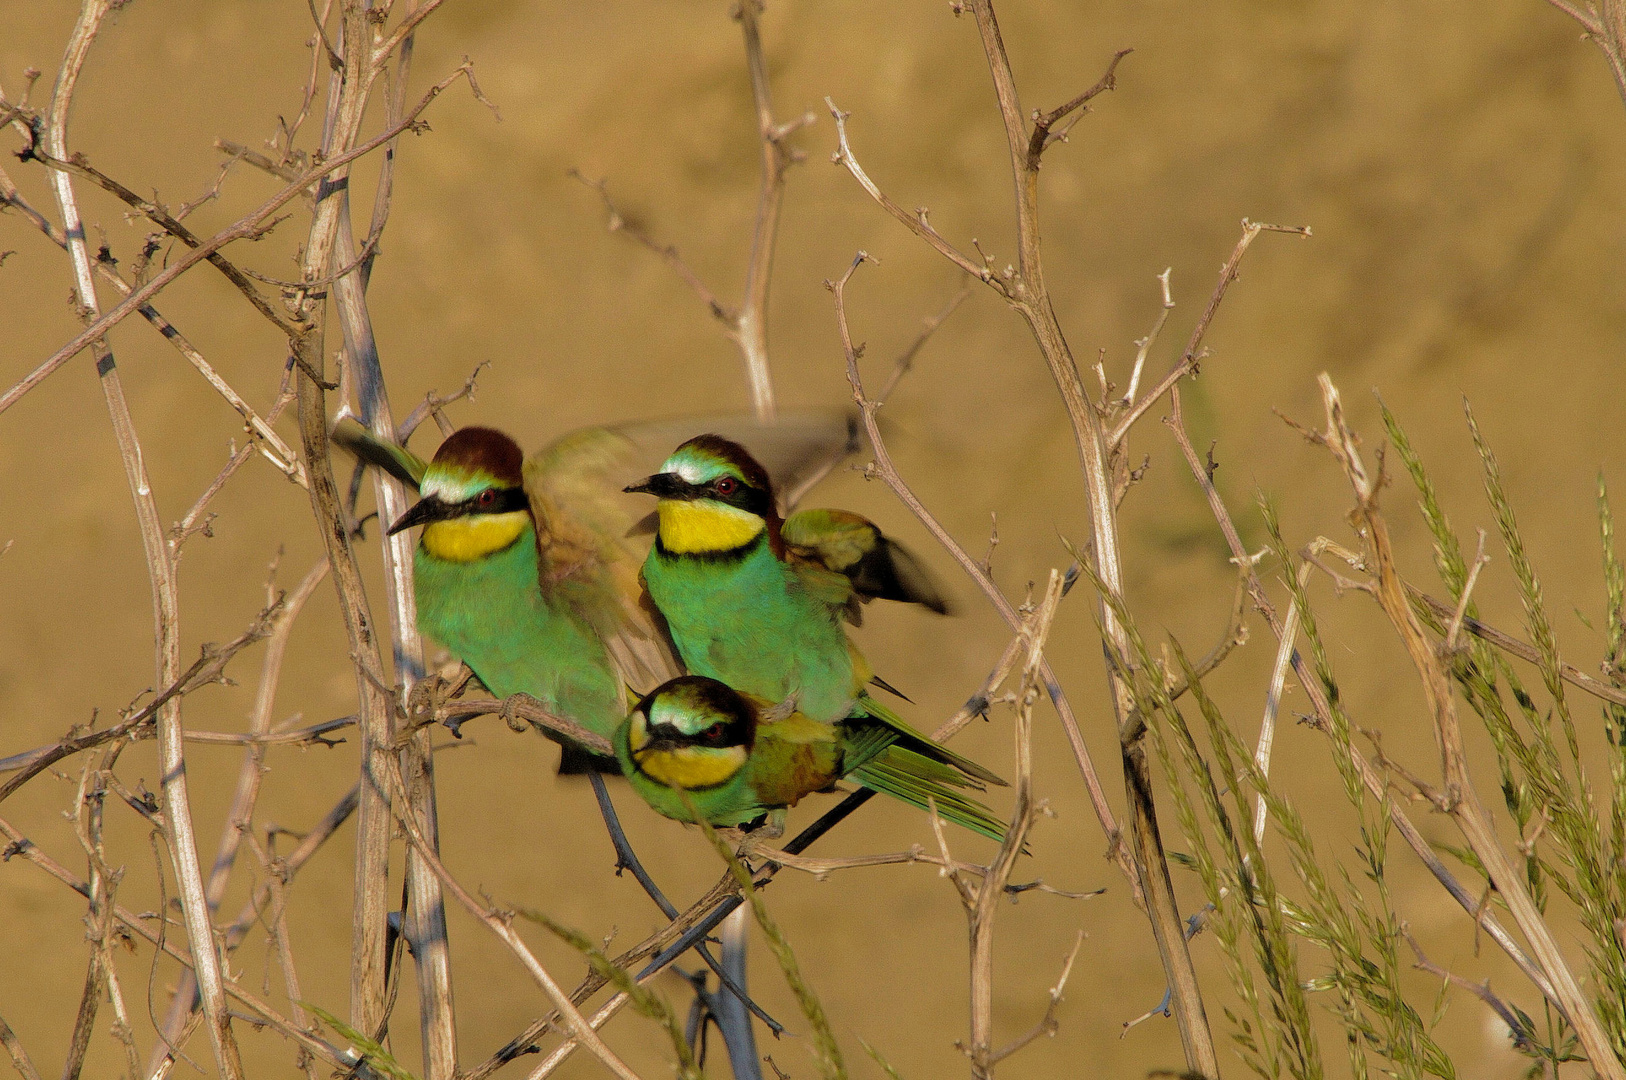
[(748, 622), (491, 614)]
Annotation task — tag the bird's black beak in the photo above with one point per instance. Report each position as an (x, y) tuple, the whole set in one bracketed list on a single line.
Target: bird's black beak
[(664, 485), (427, 510)]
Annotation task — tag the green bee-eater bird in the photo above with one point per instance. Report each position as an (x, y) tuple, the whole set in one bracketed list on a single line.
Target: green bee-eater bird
[(525, 569), (758, 603), (735, 757)]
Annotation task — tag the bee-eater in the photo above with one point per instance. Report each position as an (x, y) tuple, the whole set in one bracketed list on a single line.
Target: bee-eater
[(735, 757), (758, 603), (524, 573), (525, 569)]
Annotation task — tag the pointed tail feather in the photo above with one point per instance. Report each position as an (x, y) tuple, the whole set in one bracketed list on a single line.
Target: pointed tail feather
[(920, 744), (914, 779), (398, 461)]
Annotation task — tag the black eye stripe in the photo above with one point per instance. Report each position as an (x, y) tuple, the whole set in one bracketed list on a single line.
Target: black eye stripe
[(752, 500), (507, 501)]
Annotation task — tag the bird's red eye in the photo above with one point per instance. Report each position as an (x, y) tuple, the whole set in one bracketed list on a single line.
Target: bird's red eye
[(715, 733), (486, 499), (726, 485)]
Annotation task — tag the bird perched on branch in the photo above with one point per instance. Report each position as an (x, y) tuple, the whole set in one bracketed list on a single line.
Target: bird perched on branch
[(526, 570), (695, 746), (759, 603)]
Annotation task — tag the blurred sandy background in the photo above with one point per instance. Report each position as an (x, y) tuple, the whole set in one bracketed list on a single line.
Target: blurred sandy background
[(1460, 166)]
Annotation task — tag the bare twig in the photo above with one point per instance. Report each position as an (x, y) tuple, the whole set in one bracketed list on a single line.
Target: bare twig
[(1273, 704), (618, 222), (918, 222), (207, 669), (1371, 779), (19, 1056), (19, 845), (1449, 645), (929, 325), (751, 329), (1024, 288), (1512, 645), (433, 403), (1144, 345), (1043, 137), (513, 709), (888, 473), (986, 905), (1462, 800), (1049, 1024), (250, 225), (249, 775), (426, 908), (1522, 1035), (1193, 354), (269, 443), (499, 923), (160, 565)]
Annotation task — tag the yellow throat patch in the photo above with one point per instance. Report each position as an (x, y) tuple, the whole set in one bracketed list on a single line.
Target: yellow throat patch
[(688, 768), (465, 539), (703, 526)]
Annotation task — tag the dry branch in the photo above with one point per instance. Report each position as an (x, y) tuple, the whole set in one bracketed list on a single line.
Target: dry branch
[(1024, 289), (1374, 781), (1461, 799)]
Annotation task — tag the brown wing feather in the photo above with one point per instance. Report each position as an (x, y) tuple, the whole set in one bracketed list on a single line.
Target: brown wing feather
[(586, 558)]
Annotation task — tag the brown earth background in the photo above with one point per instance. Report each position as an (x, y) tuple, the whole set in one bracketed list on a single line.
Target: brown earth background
[(1459, 164)]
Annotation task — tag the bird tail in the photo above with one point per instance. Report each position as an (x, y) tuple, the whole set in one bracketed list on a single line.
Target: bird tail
[(902, 773), (393, 458), (908, 737)]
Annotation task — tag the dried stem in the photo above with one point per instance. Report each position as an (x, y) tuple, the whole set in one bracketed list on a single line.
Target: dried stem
[(426, 907), (1194, 352), (160, 565), (1513, 646), (1522, 1035), (19, 845), (929, 325), (1374, 781), (19, 1056), (1605, 23), (1273, 704), (986, 905), (751, 327), (1049, 1024), (1449, 645), (883, 468), (268, 442), (1461, 799), (249, 776), (275, 920), (208, 669), (249, 226), (500, 923), (1024, 288)]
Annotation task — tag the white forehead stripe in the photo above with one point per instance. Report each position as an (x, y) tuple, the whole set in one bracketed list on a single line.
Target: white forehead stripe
[(685, 467), (448, 489)]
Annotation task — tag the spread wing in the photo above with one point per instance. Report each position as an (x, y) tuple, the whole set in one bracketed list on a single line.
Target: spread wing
[(823, 544), (587, 560)]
